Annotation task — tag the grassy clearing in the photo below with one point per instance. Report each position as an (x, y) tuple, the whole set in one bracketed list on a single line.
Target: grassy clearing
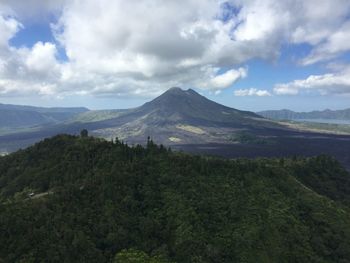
[(191, 129), (174, 139), (249, 138), (99, 115)]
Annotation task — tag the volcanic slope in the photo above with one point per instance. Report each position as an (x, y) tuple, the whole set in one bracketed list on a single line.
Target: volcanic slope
[(180, 117)]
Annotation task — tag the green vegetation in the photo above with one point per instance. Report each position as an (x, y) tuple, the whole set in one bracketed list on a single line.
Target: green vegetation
[(174, 139), (84, 133), (73, 199), (97, 115), (249, 138), (190, 128), (318, 127), (135, 256), (13, 130)]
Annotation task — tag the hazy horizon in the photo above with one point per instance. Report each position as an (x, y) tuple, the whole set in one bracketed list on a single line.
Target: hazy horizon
[(139, 102)]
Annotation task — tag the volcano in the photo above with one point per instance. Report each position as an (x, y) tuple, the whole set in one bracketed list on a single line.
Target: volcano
[(175, 117), (180, 117)]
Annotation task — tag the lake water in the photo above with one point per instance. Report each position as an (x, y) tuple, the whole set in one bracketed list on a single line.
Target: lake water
[(330, 121)]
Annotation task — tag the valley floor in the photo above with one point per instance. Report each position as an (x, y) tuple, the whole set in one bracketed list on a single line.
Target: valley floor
[(304, 144)]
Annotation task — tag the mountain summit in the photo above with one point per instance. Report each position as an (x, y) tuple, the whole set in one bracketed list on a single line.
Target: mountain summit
[(173, 98), (190, 104)]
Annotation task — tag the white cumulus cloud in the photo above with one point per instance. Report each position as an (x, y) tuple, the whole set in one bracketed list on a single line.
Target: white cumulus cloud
[(337, 43), (226, 79), (42, 58), (8, 28), (331, 83), (143, 47), (251, 92)]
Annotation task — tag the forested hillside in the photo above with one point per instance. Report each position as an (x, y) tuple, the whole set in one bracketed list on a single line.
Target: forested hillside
[(81, 199)]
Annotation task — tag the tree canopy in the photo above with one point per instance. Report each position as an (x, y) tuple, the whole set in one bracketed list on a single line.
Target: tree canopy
[(73, 199)]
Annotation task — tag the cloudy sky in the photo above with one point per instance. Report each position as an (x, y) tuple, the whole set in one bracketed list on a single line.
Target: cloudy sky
[(248, 54)]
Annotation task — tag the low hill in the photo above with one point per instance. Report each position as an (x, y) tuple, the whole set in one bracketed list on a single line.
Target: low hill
[(71, 199), (97, 115), (292, 115)]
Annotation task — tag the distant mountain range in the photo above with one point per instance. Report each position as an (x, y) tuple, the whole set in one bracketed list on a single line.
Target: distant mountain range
[(292, 115), (14, 116)]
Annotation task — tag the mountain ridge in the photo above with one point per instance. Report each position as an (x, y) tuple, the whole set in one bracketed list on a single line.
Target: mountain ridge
[(15, 116), (42, 109), (286, 114)]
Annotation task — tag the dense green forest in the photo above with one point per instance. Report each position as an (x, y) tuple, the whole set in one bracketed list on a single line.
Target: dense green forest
[(82, 199)]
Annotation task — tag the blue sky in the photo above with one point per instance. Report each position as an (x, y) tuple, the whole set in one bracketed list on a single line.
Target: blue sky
[(252, 55)]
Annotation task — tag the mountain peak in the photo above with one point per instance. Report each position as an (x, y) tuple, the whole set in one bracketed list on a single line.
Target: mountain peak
[(179, 91), (189, 103), (175, 89), (176, 97)]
